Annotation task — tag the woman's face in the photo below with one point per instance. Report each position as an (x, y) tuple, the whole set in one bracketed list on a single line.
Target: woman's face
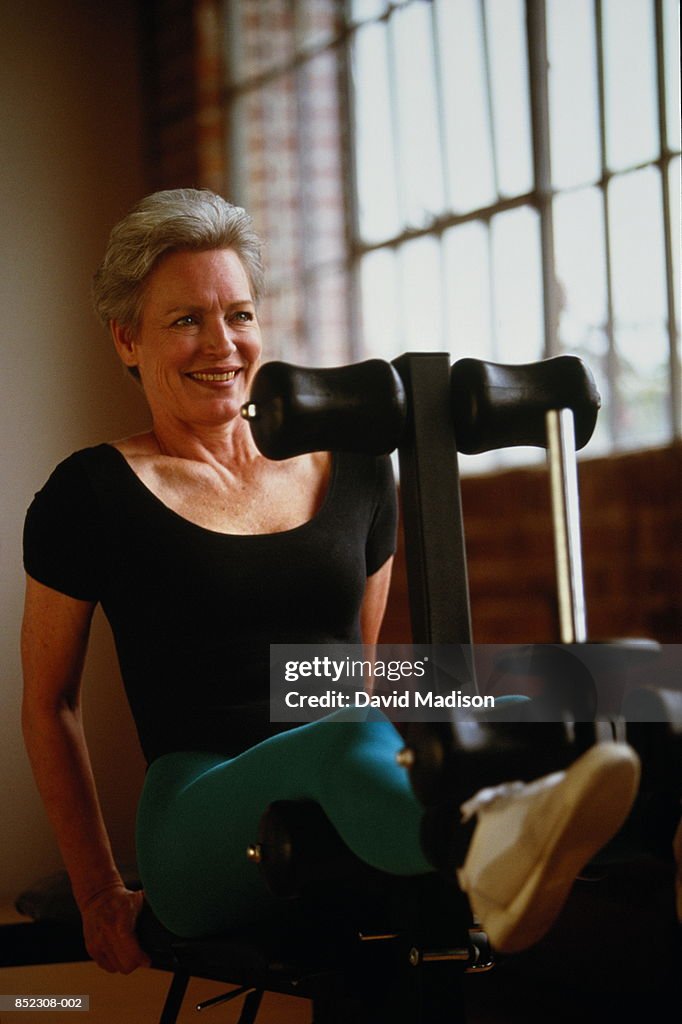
[(198, 344)]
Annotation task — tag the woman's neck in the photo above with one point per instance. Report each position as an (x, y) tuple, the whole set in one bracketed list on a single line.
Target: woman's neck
[(229, 444)]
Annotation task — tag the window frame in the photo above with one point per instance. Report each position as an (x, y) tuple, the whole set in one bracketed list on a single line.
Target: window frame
[(540, 197)]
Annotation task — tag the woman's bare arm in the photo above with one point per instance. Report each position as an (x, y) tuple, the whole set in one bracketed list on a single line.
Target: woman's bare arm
[(54, 640), (374, 602)]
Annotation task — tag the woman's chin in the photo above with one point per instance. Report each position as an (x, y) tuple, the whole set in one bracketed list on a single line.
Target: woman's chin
[(217, 410)]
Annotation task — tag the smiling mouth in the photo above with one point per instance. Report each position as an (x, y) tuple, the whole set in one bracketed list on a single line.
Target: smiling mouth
[(214, 378)]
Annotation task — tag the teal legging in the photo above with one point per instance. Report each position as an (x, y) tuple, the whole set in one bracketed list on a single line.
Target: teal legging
[(198, 813)]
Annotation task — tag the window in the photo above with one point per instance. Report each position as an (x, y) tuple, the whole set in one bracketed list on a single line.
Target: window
[(288, 159), (495, 178)]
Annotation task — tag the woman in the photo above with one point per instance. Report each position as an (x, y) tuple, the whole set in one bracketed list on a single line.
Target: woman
[(203, 553)]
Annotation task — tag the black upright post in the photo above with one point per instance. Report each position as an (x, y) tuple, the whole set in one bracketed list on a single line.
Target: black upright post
[(431, 503)]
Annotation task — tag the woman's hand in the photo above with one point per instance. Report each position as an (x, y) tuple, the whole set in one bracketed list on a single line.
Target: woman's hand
[(109, 920)]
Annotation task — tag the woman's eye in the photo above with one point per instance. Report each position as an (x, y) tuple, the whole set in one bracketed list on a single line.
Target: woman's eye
[(186, 321), (243, 316)]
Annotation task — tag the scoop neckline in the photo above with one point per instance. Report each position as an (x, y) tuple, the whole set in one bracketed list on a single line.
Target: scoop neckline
[(141, 485)]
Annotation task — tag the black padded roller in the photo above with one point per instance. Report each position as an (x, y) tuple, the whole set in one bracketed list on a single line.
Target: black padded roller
[(357, 408), (498, 406), (450, 760)]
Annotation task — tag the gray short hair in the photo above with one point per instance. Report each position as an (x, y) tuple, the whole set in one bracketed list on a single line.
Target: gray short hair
[(176, 220)]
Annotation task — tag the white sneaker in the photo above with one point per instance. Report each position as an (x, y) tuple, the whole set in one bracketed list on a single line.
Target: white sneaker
[(531, 840)]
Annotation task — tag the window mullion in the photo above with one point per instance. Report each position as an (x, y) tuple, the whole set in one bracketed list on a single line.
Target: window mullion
[(440, 100), (539, 103), (494, 332), (354, 324), (613, 405), (395, 115), (664, 164), (235, 144), (445, 168), (489, 95), (303, 270)]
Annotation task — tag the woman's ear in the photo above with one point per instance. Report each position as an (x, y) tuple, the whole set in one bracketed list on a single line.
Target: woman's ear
[(124, 343)]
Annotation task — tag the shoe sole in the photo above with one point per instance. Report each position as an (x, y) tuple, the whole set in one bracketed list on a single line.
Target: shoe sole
[(604, 784)]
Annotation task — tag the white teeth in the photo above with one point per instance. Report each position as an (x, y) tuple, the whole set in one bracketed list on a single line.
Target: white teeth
[(214, 377)]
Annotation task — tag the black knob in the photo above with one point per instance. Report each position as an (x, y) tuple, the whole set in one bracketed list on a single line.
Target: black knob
[(357, 408), (498, 406)]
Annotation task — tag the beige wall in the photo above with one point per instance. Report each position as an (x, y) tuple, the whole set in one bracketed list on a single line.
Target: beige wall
[(71, 165)]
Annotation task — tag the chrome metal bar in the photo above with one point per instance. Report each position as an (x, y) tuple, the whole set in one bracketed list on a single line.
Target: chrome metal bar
[(226, 997), (563, 473), (435, 955)]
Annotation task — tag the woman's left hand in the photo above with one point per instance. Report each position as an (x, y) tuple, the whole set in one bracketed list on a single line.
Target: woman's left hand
[(109, 923)]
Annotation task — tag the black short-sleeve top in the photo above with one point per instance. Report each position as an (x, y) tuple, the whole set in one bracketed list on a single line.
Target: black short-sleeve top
[(193, 611)]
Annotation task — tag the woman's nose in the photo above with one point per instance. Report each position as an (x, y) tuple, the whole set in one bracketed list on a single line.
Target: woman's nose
[(218, 337)]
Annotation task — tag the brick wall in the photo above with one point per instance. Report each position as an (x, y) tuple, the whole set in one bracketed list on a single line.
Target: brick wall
[(631, 509)]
